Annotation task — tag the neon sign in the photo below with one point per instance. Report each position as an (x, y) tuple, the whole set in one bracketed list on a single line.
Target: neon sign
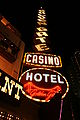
[(9, 86), (41, 33), (42, 60), (35, 91), (42, 84)]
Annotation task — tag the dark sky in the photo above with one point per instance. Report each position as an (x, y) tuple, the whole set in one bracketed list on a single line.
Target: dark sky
[(62, 18)]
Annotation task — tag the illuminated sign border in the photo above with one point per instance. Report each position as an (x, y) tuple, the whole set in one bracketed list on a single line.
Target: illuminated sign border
[(48, 66), (38, 100)]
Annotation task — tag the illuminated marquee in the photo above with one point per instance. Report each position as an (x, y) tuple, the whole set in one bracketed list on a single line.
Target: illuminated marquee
[(41, 33), (9, 86), (42, 84), (42, 60)]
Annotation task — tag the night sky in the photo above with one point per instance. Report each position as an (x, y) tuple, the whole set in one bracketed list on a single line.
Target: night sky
[(62, 18)]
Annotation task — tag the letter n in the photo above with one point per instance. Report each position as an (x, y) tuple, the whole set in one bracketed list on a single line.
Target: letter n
[(7, 86)]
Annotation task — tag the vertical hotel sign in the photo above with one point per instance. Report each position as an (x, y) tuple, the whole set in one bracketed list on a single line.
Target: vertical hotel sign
[(41, 83), (41, 36)]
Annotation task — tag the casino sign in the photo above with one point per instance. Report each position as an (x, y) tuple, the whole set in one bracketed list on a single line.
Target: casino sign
[(42, 84), (42, 60)]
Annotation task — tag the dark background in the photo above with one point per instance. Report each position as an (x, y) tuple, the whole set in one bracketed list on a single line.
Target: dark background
[(62, 18), (63, 24)]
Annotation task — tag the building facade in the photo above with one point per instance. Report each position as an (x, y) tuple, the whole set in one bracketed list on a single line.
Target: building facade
[(13, 105), (11, 49)]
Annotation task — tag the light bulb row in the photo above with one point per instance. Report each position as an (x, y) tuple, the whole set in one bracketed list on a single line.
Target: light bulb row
[(7, 116)]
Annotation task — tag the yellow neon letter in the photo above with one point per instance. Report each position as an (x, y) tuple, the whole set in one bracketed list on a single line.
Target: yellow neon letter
[(42, 23), (41, 47), (41, 29), (40, 34), (41, 39), (19, 88), (4, 89)]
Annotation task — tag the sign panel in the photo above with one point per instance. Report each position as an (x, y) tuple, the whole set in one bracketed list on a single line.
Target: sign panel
[(41, 39), (42, 60), (10, 86), (42, 84)]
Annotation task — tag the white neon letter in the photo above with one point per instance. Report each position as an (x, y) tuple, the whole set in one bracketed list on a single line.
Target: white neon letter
[(56, 60), (38, 77), (61, 82), (46, 77), (41, 61), (28, 58), (53, 79), (50, 60), (29, 76), (34, 60)]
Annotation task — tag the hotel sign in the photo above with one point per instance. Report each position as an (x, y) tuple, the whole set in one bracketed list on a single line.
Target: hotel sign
[(41, 35), (42, 60), (42, 84)]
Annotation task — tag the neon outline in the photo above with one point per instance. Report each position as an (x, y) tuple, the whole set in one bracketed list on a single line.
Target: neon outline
[(37, 65), (67, 89)]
